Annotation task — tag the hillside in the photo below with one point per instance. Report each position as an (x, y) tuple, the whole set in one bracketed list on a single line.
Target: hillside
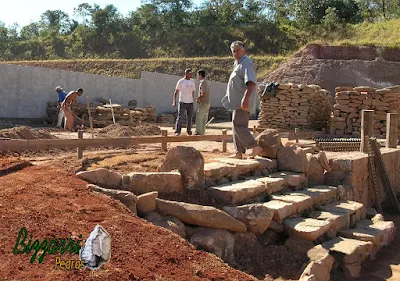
[(217, 68), (383, 34)]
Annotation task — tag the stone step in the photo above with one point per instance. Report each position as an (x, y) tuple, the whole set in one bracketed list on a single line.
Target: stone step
[(293, 180), (321, 194), (281, 209), (242, 166), (349, 253), (272, 185), (217, 170), (354, 209), (380, 233), (301, 202), (239, 192), (339, 220), (306, 228)]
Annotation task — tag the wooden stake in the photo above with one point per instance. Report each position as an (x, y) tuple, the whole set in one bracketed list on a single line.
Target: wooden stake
[(112, 111), (164, 144), (224, 142), (90, 117), (391, 130), (367, 128), (80, 148)]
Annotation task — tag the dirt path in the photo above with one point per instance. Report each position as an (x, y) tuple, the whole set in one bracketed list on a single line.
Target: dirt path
[(387, 264), (52, 204)]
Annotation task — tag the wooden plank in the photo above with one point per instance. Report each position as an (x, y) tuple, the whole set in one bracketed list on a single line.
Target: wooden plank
[(13, 145)]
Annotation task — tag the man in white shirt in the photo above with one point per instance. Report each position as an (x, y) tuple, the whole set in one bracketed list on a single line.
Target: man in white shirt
[(185, 87)]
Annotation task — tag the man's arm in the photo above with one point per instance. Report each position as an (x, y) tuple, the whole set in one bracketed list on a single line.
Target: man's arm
[(247, 94), (174, 95)]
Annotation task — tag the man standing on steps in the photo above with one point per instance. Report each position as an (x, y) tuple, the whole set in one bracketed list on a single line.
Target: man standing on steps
[(185, 87), (204, 104), (61, 96), (67, 108), (240, 98)]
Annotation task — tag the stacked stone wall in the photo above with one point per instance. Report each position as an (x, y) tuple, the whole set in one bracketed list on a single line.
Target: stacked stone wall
[(295, 106), (346, 115)]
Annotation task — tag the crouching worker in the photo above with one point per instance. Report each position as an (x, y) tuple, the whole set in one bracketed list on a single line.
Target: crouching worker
[(66, 107)]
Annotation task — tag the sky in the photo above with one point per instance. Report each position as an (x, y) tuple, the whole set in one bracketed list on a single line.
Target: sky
[(24, 12)]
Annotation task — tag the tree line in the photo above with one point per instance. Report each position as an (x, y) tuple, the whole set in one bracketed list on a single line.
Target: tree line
[(178, 28)]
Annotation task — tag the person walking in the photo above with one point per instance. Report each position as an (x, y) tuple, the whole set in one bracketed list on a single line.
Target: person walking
[(66, 106), (61, 97), (204, 104), (185, 87), (240, 98)]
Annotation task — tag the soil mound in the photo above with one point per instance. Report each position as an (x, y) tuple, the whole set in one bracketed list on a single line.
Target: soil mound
[(333, 66), (25, 133), (120, 131), (139, 250)]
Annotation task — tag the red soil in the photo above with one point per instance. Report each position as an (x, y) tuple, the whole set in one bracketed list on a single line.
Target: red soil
[(51, 204)]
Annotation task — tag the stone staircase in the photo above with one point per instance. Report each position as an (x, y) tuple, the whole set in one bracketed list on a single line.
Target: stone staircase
[(319, 213)]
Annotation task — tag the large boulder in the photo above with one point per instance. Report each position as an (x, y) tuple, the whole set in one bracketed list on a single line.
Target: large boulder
[(125, 197), (168, 222), (257, 217), (206, 216), (189, 162), (217, 241), (102, 177), (292, 159), (270, 141), (143, 182)]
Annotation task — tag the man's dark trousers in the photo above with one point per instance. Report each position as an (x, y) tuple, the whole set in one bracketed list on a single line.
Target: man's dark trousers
[(182, 107)]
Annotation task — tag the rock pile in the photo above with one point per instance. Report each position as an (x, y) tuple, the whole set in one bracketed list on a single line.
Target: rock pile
[(295, 106), (350, 101)]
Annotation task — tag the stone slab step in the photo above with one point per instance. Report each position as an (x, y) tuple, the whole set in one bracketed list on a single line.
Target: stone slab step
[(239, 192), (272, 184), (242, 166), (339, 220), (321, 194), (281, 209), (380, 233), (300, 201), (306, 228), (291, 179), (217, 170), (356, 210), (387, 227), (349, 253)]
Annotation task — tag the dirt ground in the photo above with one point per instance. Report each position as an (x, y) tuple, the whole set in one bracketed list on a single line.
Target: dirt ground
[(53, 204), (26, 196)]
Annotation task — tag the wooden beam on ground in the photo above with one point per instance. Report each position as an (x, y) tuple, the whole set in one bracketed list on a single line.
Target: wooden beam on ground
[(13, 145)]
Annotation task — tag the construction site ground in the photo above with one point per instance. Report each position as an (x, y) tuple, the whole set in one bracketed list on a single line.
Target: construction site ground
[(51, 202)]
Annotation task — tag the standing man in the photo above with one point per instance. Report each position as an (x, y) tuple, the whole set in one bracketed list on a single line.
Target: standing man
[(185, 87), (66, 107), (61, 97), (204, 104), (240, 98)]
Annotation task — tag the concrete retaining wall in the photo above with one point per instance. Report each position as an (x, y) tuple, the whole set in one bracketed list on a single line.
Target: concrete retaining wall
[(25, 90)]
